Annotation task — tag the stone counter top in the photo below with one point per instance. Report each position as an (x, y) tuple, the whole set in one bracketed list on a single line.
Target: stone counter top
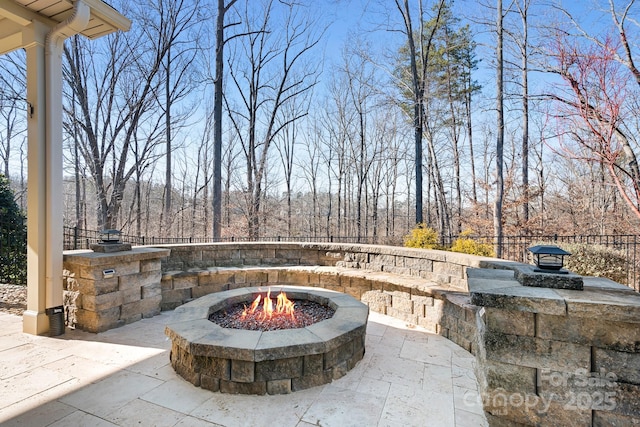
[(500, 289)]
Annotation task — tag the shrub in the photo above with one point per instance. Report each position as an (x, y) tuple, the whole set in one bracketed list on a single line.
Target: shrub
[(595, 260), (422, 237), (13, 238), (466, 245)]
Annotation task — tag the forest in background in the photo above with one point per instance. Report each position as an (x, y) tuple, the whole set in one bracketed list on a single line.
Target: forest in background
[(319, 140)]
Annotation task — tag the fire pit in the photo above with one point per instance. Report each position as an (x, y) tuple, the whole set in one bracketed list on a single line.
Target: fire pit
[(272, 361)]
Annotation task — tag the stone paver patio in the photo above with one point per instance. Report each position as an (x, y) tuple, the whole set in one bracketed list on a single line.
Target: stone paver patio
[(122, 377)]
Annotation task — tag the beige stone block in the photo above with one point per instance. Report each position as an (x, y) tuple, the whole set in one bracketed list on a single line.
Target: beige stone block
[(200, 291), (459, 339), (232, 387), (402, 304), (398, 270), (242, 371), (627, 397), (121, 267), (510, 321), (467, 329), (150, 265), (99, 303), (624, 366), (131, 295), (216, 367), (531, 409), (252, 256), (219, 255), (452, 309), (360, 283), (448, 269), (313, 364), (176, 295), (311, 257), (402, 315), (134, 281), (337, 288), (98, 322), (433, 314), (279, 386), (256, 277), (98, 286), (597, 332), (269, 370), (151, 290), (382, 259), (536, 353), (377, 301), (291, 255), (215, 278), (186, 255), (418, 264), (145, 307), (338, 355), (429, 325), (209, 383), (608, 419), (185, 282), (314, 380), (511, 378), (331, 281), (240, 277), (449, 322), (424, 300), (166, 283), (273, 276)]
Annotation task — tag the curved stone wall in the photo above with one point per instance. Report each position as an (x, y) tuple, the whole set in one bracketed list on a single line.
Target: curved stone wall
[(544, 356), (422, 287)]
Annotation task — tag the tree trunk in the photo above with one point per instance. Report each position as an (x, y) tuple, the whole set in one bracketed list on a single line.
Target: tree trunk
[(497, 208)]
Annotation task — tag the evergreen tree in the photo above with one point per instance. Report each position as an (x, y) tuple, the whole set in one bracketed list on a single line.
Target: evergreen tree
[(13, 237)]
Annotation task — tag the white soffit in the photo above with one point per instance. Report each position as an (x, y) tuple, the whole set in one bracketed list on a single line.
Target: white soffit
[(17, 14)]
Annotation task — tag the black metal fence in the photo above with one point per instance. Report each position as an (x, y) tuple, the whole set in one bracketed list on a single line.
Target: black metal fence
[(13, 252), (514, 248), (76, 238), (13, 257)]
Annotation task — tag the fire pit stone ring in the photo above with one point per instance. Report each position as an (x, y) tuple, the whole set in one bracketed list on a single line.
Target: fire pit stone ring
[(269, 362)]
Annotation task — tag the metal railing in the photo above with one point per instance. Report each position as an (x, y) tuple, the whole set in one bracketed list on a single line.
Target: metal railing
[(13, 246), (13, 253), (76, 238)]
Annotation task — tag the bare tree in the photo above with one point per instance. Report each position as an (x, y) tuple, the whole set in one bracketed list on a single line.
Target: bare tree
[(114, 90), (497, 208), (217, 116), (173, 19), (12, 104), (418, 55), (273, 75)]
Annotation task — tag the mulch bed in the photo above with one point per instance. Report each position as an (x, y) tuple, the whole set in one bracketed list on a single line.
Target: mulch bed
[(13, 299)]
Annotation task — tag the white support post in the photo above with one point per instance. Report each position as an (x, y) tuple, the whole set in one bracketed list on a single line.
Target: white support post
[(44, 193), (35, 320)]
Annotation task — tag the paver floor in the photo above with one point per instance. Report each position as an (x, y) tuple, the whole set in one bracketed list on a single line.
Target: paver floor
[(122, 377)]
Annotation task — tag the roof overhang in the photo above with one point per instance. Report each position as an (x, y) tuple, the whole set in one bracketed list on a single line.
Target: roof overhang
[(15, 15)]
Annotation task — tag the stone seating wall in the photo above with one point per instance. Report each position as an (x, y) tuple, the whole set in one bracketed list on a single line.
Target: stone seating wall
[(421, 287), (544, 356)]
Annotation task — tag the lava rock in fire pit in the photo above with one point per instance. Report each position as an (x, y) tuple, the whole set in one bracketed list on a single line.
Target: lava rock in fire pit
[(238, 317)]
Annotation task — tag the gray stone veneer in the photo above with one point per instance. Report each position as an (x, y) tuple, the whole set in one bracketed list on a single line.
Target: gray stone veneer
[(545, 356)]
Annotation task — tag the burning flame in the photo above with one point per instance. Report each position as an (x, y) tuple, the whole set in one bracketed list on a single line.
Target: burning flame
[(284, 307)]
